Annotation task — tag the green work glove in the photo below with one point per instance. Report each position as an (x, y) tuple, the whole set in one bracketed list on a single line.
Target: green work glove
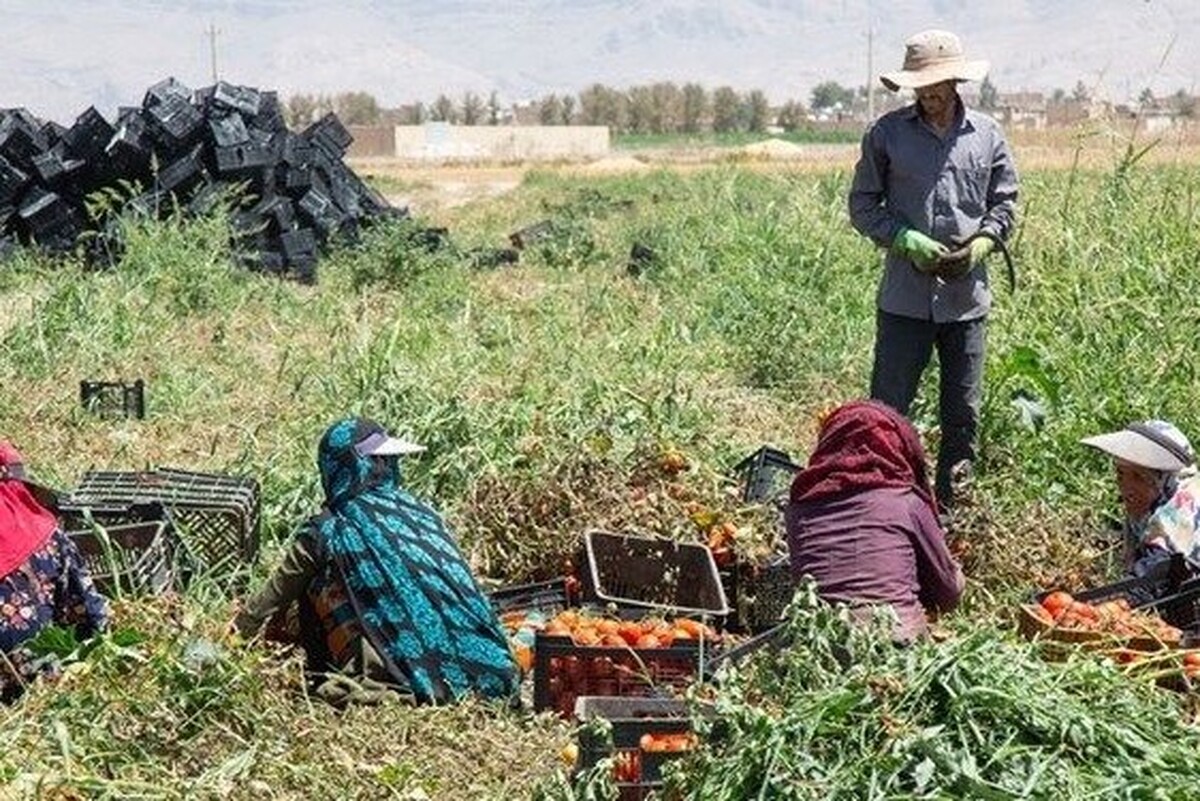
[(980, 248), (923, 251)]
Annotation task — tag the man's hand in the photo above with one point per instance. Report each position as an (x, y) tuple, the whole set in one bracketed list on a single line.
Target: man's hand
[(957, 263), (981, 246), (923, 251)]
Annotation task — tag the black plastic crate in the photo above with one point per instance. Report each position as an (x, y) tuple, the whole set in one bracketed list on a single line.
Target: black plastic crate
[(134, 558), (89, 136), (765, 474), (764, 591), (114, 399), (524, 237), (652, 573), (12, 181), (242, 99), (215, 516), (74, 515), (545, 596), (630, 719), (329, 134), (564, 671), (181, 173)]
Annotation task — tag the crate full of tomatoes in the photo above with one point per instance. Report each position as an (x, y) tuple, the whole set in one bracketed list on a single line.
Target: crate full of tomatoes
[(639, 735), (577, 654), (1102, 622)]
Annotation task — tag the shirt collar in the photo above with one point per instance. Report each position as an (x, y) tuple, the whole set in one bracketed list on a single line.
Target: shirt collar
[(962, 121)]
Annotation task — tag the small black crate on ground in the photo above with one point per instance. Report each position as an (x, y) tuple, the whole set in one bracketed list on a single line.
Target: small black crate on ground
[(216, 517), (543, 596), (128, 557), (764, 591), (652, 573), (638, 771), (564, 671), (765, 474), (114, 399)]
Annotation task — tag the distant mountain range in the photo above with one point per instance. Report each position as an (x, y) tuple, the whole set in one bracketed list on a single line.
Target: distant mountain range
[(60, 56)]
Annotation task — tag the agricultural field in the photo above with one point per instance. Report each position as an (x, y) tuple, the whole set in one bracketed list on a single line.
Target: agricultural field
[(549, 394)]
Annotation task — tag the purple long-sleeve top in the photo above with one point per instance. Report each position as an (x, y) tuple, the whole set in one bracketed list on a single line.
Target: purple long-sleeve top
[(879, 546)]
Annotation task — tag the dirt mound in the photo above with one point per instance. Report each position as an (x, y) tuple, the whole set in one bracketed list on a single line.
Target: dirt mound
[(774, 149), (612, 164)]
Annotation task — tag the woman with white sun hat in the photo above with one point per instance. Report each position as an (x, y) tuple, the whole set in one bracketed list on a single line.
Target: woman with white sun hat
[(1160, 492)]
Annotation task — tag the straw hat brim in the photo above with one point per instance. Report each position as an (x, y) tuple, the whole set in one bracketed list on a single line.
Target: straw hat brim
[(1135, 448), (950, 71)]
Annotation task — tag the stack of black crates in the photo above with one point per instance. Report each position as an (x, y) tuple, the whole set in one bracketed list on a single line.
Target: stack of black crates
[(185, 149)]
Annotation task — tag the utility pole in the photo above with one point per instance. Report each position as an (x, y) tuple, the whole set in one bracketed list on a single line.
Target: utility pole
[(212, 32), (870, 75)]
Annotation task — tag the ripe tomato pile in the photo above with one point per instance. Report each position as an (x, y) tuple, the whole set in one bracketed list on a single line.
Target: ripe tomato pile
[(667, 743), (628, 763), (1115, 617), (627, 767), (586, 629), (649, 632)]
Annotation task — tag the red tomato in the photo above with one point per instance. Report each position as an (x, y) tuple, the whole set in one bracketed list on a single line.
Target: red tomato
[(1057, 602)]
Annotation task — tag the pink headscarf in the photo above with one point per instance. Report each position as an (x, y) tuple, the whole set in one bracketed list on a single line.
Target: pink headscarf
[(25, 525)]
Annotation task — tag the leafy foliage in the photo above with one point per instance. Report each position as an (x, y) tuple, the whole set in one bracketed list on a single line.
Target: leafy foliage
[(544, 392), (841, 713)]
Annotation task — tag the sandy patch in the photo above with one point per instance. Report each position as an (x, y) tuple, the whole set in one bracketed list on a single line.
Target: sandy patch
[(774, 149), (610, 165)]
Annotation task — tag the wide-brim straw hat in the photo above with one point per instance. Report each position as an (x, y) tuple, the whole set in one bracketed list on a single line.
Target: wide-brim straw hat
[(1153, 444), (932, 57)]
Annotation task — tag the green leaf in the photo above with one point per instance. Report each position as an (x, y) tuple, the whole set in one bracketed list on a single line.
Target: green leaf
[(1032, 413), (53, 641)]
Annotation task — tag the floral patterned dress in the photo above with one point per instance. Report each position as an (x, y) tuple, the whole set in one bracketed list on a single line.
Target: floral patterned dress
[(52, 586), (1174, 524)]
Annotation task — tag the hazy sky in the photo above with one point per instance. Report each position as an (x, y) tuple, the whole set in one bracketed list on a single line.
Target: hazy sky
[(59, 56)]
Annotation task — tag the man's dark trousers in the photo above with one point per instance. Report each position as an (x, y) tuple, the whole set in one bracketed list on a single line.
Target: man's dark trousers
[(903, 346)]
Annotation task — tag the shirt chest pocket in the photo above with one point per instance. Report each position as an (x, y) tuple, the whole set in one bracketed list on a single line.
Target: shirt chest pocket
[(970, 186)]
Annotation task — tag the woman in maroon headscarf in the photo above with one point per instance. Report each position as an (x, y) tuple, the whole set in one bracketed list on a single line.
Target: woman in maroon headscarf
[(43, 580), (862, 521)]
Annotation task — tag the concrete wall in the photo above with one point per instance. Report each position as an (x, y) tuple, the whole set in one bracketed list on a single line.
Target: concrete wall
[(437, 141)]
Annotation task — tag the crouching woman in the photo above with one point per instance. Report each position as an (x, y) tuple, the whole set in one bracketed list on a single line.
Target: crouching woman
[(386, 600), (1159, 486), (862, 522), (43, 579)]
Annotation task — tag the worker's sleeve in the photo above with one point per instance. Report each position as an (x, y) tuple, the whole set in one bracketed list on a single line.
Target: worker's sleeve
[(940, 577), (869, 213), (1000, 216), (286, 584)]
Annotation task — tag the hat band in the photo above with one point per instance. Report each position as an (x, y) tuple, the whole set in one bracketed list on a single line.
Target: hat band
[(917, 64), (1158, 438)]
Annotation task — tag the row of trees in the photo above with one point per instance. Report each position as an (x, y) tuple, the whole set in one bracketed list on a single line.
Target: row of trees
[(650, 109), (656, 108)]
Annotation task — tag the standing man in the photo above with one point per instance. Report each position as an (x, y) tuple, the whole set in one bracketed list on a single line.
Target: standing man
[(933, 176)]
